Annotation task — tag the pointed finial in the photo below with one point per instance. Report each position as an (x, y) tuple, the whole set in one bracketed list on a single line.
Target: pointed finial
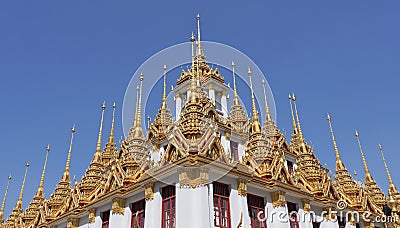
[(66, 175), (98, 147), (297, 117), (139, 121), (164, 98), (4, 200), (235, 93), (339, 163), (40, 191), (136, 106), (198, 35), (192, 39), (256, 124), (291, 109), (391, 184), (368, 176), (18, 206), (111, 138), (266, 103)]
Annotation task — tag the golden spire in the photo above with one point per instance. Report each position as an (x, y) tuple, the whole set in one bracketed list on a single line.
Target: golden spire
[(339, 163), (297, 116), (235, 93), (18, 206), (192, 39), (111, 138), (139, 111), (98, 147), (391, 184), (4, 200), (198, 35), (368, 177), (164, 98), (66, 175), (293, 120), (266, 103), (40, 192), (136, 106), (256, 124)]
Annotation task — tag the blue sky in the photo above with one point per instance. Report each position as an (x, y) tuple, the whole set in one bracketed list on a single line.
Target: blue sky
[(60, 60)]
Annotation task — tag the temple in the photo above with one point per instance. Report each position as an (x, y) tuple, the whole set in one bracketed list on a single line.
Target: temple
[(210, 165)]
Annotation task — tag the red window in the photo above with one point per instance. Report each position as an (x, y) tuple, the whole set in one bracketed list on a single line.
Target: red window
[(138, 214), (294, 222), (234, 151), (221, 205), (168, 207), (105, 219), (256, 206)]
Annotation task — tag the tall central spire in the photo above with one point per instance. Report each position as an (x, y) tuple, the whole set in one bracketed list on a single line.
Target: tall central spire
[(66, 175), (339, 163), (256, 127), (4, 201), (18, 206), (293, 119), (199, 50), (40, 191), (368, 177)]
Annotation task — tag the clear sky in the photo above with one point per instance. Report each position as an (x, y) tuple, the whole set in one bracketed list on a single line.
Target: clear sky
[(60, 60)]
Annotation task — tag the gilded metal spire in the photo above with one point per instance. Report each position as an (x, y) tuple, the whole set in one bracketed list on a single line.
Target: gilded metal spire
[(339, 163), (139, 111), (4, 200), (136, 107), (368, 177), (297, 116), (235, 93), (164, 98), (66, 175), (198, 35), (40, 192), (18, 206), (267, 112), (111, 138), (192, 39), (98, 147), (256, 124), (293, 120), (391, 184)]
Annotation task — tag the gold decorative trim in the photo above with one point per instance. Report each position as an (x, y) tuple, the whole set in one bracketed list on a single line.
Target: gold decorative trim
[(54, 226), (118, 206), (306, 205), (278, 198), (92, 215), (73, 223), (149, 191), (242, 187), (193, 177), (227, 135)]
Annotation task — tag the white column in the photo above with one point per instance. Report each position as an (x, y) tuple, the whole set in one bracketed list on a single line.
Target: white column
[(153, 211), (224, 104), (211, 93), (225, 144), (240, 151), (178, 106), (329, 224), (192, 207)]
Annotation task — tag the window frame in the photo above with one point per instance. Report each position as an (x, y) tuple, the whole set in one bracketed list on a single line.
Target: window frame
[(138, 209), (221, 198), (252, 201), (168, 198), (105, 222)]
